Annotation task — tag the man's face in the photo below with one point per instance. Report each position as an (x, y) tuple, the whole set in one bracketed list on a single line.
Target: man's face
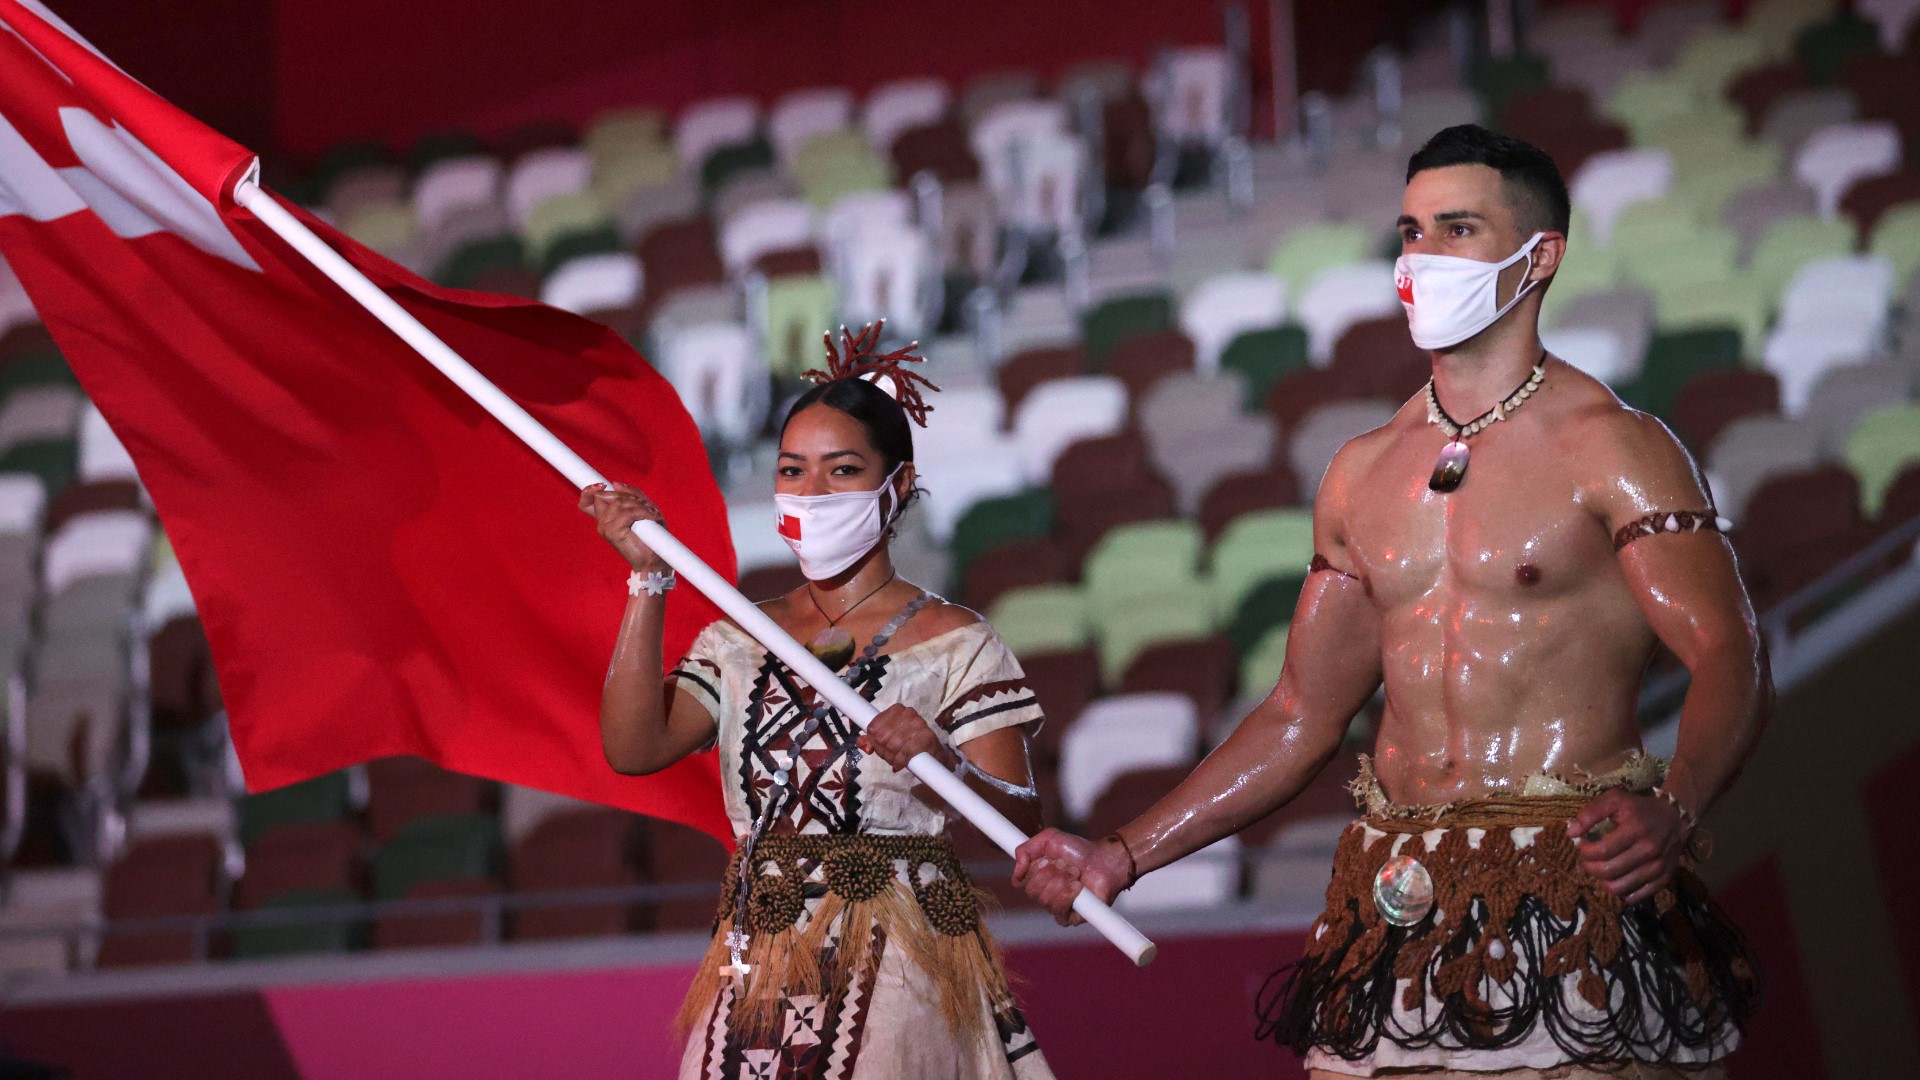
[(1463, 210), (1459, 210)]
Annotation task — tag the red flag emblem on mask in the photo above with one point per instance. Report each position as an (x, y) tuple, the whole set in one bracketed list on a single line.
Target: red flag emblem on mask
[(1404, 283), (790, 527)]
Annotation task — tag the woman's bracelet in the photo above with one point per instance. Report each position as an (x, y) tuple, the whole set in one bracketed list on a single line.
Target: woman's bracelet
[(653, 583), (965, 767)]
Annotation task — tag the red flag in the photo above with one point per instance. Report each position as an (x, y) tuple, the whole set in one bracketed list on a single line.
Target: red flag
[(380, 566)]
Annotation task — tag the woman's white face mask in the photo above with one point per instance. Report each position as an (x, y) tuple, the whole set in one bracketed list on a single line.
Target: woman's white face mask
[(829, 533), (1450, 299)]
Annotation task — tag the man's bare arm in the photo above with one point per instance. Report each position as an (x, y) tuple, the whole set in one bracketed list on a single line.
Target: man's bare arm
[(1332, 668), (1688, 587)]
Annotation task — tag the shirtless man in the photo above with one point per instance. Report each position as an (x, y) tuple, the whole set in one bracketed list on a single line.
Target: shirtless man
[(1517, 897)]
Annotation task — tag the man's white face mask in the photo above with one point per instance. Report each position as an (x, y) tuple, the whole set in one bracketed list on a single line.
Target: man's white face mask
[(832, 532), (1449, 299)]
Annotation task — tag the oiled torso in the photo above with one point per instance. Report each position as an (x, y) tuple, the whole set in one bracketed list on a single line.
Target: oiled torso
[(1510, 644)]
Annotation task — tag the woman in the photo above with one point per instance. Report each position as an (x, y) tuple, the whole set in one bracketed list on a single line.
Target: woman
[(848, 943)]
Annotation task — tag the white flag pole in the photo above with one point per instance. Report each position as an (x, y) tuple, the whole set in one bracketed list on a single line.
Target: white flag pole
[(684, 562)]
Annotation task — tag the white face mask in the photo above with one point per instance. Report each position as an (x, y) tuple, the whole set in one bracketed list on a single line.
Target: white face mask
[(1449, 299), (832, 532)]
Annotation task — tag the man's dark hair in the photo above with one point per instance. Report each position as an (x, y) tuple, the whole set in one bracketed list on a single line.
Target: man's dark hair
[(1533, 182)]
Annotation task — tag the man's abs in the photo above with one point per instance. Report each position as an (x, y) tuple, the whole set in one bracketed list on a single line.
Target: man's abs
[(1484, 691)]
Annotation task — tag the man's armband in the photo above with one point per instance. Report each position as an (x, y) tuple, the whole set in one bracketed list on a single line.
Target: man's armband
[(1669, 521)]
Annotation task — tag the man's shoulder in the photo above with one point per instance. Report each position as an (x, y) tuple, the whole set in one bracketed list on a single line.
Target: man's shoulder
[(1613, 445), (1360, 451)]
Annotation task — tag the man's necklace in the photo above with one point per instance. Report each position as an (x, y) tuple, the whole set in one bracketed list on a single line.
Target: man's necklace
[(1451, 468), (834, 646)]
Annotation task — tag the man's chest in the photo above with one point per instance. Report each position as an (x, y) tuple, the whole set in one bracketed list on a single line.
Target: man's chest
[(1516, 524)]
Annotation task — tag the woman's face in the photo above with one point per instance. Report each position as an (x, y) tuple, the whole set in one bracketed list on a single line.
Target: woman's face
[(825, 451)]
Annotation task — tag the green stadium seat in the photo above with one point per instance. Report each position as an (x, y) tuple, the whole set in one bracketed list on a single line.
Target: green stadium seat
[(443, 847), (1260, 666), (1042, 619), (40, 367), (1180, 614), (1896, 238), (1673, 359), (619, 131), (1644, 101), (1791, 243), (1709, 62), (1779, 23), (799, 308), (1586, 268), (728, 161), (992, 522), (618, 174), (1880, 447), (556, 216), (1826, 46), (1262, 357), (385, 227), (1122, 317), (1497, 80), (1710, 254), (262, 942), (440, 146), (472, 260), (337, 160), (1266, 606), (1144, 558), (323, 798), (1655, 222), (1255, 547), (1311, 249), (54, 461), (600, 240), (835, 164), (1739, 301)]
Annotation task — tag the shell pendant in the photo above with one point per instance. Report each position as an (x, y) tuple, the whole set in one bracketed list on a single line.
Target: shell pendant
[(1451, 468)]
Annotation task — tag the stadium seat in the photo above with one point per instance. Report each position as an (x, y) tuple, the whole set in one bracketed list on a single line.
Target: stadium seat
[(1339, 297), (1225, 308), (1043, 618), (1752, 450), (1058, 413), (1882, 445), (1835, 158), (897, 107), (709, 125), (1118, 734), (322, 799), (1262, 357)]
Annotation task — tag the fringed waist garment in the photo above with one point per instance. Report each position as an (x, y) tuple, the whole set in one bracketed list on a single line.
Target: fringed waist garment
[(1498, 950), (820, 910)]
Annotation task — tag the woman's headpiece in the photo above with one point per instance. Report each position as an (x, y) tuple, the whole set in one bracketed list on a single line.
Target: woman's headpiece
[(854, 358)]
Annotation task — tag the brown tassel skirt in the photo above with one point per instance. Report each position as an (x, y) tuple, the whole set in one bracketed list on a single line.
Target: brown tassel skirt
[(1523, 961), (821, 912)]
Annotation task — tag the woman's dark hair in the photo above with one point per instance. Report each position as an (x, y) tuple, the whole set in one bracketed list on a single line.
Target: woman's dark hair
[(844, 385), (885, 421)]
